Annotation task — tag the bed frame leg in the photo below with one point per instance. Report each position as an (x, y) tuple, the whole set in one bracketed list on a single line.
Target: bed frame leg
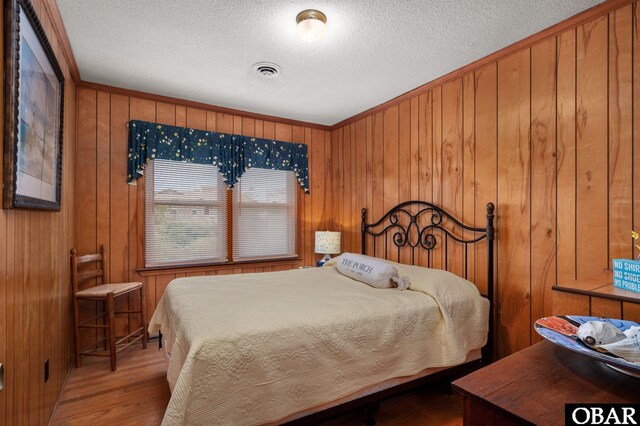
[(370, 411)]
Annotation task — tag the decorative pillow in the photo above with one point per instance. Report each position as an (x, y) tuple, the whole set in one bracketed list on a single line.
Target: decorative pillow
[(374, 272)]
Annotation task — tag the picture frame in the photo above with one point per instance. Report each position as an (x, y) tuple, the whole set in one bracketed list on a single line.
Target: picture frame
[(33, 113)]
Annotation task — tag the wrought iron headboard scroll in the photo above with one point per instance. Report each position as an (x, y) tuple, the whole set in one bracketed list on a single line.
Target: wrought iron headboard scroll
[(413, 236), (421, 232)]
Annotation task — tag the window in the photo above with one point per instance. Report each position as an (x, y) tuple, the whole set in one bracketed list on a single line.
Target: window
[(264, 215), (186, 215)]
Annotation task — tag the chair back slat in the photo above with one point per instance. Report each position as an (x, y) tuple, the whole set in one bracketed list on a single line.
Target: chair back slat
[(85, 275), (89, 258)]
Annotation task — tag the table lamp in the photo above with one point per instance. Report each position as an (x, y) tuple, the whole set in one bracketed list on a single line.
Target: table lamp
[(327, 243)]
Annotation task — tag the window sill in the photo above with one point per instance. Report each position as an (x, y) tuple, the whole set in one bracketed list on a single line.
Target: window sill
[(169, 269)]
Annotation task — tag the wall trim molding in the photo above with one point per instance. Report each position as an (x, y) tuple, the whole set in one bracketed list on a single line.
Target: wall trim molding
[(569, 23), (58, 27), (200, 105), (553, 31)]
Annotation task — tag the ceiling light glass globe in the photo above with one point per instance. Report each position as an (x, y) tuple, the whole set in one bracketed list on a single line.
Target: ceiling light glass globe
[(311, 30)]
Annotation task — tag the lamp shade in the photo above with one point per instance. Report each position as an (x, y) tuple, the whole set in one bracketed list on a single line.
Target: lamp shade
[(327, 242)]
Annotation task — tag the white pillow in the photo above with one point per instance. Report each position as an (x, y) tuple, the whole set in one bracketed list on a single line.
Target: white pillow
[(374, 272)]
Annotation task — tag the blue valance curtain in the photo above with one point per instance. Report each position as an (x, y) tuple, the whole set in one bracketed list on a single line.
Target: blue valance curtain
[(232, 154)]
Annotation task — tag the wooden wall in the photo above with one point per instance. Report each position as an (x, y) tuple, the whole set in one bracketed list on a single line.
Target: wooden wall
[(110, 212), (549, 133), (35, 315)]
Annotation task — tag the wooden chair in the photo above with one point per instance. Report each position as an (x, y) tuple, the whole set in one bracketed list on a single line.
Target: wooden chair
[(106, 293)]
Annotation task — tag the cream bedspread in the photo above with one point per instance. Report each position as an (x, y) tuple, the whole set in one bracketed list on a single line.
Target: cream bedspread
[(255, 348)]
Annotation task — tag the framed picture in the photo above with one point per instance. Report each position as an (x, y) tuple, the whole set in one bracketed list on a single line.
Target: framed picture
[(33, 101)]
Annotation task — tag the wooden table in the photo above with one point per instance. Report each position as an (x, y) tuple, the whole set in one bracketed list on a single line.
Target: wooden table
[(533, 385)]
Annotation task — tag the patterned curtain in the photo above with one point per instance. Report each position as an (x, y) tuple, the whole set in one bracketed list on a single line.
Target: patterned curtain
[(232, 154)]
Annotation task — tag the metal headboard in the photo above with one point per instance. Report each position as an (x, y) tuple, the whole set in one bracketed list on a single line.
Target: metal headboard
[(420, 231)]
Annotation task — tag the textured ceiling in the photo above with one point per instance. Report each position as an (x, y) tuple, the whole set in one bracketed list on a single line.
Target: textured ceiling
[(375, 50)]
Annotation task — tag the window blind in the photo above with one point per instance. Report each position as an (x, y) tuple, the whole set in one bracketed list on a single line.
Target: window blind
[(185, 214), (265, 215)]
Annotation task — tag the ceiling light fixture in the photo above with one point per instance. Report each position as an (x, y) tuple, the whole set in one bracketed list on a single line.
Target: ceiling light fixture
[(312, 25)]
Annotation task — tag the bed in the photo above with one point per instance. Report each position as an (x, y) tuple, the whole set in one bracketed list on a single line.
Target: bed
[(269, 348)]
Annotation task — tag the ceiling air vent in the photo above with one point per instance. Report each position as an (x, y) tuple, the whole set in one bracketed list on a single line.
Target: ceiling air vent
[(266, 69)]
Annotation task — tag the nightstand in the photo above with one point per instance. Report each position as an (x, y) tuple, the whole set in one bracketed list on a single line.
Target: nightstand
[(533, 385)]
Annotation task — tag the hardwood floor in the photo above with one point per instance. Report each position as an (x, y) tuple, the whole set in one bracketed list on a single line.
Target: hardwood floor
[(138, 393)]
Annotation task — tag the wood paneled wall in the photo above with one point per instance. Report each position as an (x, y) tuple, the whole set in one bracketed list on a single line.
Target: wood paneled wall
[(549, 133), (110, 212), (35, 308)]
